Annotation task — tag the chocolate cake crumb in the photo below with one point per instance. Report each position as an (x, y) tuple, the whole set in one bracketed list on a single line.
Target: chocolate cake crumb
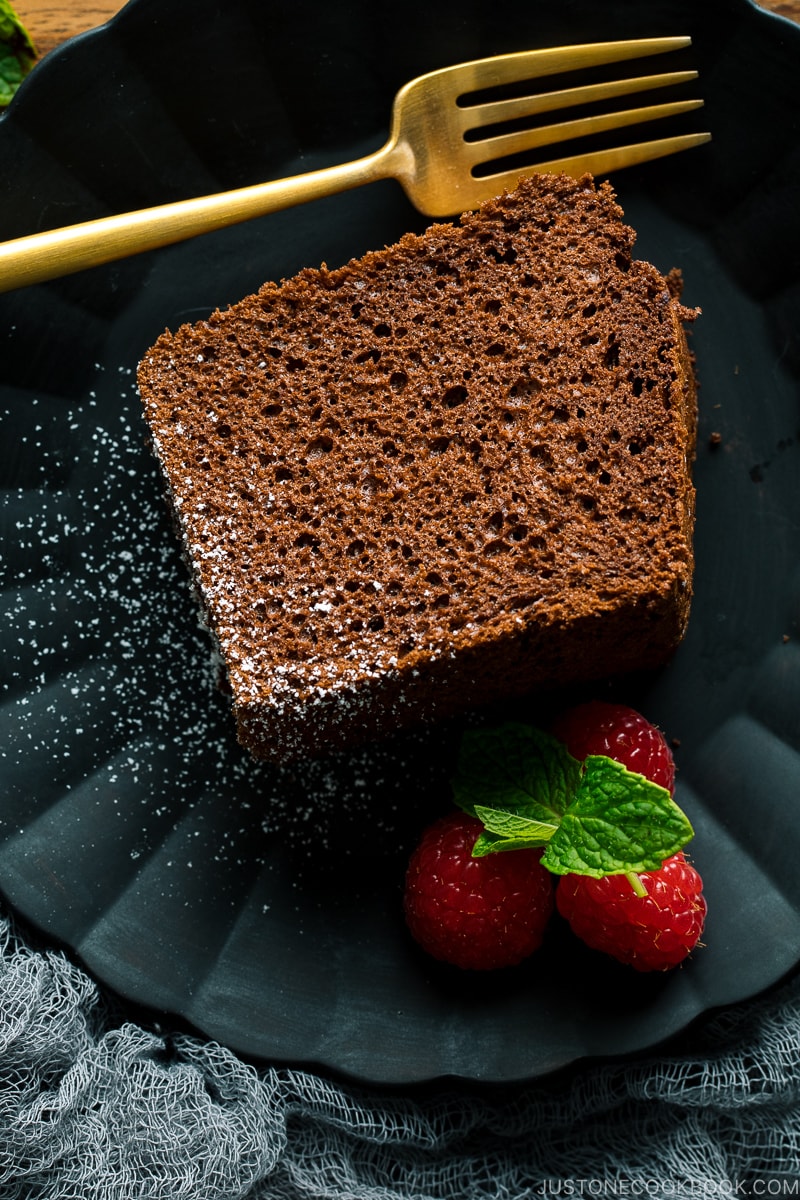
[(452, 471)]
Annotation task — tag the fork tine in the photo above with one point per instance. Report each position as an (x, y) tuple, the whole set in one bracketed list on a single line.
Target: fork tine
[(600, 162), (529, 139), (476, 116), (533, 64)]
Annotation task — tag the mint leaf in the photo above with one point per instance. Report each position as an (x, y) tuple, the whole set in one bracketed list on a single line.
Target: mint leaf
[(17, 52), (593, 818), (511, 825), (490, 843), (508, 831), (617, 822), (517, 769)]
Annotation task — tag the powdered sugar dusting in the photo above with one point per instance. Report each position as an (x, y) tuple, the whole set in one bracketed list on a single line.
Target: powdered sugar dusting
[(111, 694)]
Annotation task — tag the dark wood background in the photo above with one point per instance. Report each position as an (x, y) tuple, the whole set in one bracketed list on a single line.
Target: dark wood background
[(51, 22)]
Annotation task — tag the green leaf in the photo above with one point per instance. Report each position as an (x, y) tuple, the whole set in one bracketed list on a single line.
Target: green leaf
[(617, 822), (511, 825), (517, 769), (17, 52), (490, 843), (593, 818)]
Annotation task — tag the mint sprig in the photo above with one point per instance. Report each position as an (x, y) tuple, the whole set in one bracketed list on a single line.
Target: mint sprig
[(593, 818), (17, 52)]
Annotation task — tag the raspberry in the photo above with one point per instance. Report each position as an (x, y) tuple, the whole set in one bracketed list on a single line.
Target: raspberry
[(476, 913), (599, 727), (650, 933)]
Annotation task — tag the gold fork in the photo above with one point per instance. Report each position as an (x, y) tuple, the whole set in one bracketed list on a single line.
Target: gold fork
[(435, 150)]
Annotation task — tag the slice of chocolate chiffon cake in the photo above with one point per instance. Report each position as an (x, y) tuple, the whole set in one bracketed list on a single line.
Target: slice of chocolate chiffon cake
[(454, 470)]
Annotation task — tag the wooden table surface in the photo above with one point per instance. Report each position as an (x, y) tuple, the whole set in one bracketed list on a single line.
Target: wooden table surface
[(51, 22)]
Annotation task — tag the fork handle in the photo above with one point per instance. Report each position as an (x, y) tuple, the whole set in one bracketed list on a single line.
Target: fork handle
[(44, 256)]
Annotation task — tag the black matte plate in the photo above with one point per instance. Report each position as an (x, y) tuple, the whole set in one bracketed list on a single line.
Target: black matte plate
[(264, 907)]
